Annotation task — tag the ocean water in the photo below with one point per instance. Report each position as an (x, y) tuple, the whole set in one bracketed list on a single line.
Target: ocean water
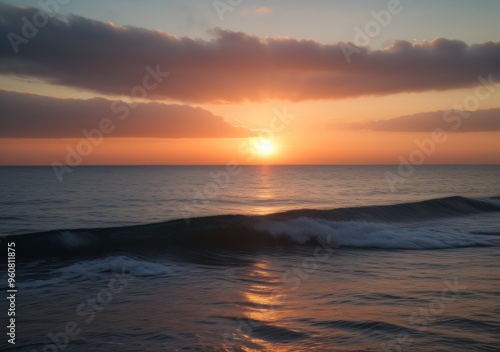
[(254, 258)]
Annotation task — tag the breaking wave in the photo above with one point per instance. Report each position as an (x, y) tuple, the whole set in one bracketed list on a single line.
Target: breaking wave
[(418, 225)]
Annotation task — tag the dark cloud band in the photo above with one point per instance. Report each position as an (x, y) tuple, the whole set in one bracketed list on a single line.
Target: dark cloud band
[(79, 52), (449, 121), (33, 116)]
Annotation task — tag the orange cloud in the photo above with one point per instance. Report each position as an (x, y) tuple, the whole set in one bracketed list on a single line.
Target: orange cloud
[(259, 11)]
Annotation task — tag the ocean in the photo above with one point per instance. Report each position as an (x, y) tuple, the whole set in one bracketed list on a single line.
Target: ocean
[(251, 258)]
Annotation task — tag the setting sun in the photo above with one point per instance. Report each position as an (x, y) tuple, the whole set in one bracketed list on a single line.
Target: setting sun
[(264, 147)]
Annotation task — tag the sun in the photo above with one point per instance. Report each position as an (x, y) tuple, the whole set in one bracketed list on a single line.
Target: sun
[(264, 147)]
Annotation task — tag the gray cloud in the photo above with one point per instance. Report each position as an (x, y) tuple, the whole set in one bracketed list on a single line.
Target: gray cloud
[(34, 116), (447, 120), (79, 52)]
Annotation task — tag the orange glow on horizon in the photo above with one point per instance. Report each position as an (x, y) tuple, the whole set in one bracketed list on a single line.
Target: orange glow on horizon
[(329, 147)]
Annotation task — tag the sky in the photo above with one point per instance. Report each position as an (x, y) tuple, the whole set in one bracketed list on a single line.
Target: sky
[(249, 82)]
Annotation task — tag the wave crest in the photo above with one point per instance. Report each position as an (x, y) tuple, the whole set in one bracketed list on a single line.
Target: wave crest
[(400, 226)]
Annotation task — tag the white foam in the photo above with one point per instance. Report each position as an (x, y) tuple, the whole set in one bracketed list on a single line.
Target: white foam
[(98, 267), (120, 264), (362, 234)]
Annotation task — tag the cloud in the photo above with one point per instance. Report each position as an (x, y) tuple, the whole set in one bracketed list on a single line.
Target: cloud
[(259, 11), (234, 66), (447, 120), (34, 116)]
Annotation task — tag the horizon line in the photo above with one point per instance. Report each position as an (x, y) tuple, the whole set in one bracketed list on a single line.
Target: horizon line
[(132, 165)]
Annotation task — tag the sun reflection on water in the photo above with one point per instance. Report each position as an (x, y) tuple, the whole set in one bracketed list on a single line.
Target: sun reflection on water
[(264, 299)]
